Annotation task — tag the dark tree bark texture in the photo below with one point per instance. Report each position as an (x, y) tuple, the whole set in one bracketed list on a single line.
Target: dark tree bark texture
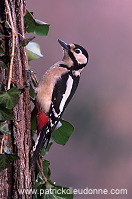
[(18, 176)]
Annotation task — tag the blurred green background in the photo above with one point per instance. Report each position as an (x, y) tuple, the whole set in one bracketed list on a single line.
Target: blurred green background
[(99, 153)]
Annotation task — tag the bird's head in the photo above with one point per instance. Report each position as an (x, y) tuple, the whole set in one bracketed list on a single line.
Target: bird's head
[(75, 56)]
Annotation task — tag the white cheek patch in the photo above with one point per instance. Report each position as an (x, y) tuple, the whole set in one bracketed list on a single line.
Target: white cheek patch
[(67, 93), (81, 59)]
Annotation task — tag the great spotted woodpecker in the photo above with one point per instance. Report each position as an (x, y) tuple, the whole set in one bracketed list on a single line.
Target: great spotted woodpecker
[(55, 91)]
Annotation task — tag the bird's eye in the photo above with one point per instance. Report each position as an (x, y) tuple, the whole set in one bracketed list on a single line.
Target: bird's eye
[(78, 51)]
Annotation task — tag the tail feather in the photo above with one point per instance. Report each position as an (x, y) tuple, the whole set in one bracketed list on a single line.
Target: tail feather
[(41, 141)]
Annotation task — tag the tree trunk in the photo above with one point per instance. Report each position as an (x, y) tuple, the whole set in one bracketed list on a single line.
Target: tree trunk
[(18, 176)]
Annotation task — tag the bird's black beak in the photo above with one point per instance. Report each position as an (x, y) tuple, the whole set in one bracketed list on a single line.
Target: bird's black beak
[(63, 44)]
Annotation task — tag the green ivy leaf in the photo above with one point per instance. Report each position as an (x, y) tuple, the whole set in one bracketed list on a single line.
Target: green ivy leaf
[(51, 191), (62, 192), (5, 114), (2, 64), (35, 26), (6, 160), (9, 99), (4, 60), (32, 92), (1, 51), (46, 169), (4, 128), (39, 194), (62, 134), (33, 51)]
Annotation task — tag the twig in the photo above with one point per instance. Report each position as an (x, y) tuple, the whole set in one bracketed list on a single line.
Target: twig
[(39, 164), (13, 44), (2, 144)]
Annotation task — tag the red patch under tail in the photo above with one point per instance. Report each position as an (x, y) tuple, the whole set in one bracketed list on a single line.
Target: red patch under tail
[(41, 118)]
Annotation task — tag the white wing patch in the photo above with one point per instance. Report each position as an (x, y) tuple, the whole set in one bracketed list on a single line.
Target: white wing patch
[(69, 85)]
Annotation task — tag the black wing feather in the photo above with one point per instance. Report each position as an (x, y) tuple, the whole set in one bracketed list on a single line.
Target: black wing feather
[(59, 90)]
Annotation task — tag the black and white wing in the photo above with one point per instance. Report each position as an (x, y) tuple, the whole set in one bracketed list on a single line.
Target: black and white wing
[(63, 91)]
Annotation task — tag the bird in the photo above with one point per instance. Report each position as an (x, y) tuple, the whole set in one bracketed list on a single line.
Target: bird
[(54, 92)]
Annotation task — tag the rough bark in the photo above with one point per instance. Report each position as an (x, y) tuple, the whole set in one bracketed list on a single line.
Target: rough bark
[(18, 176)]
